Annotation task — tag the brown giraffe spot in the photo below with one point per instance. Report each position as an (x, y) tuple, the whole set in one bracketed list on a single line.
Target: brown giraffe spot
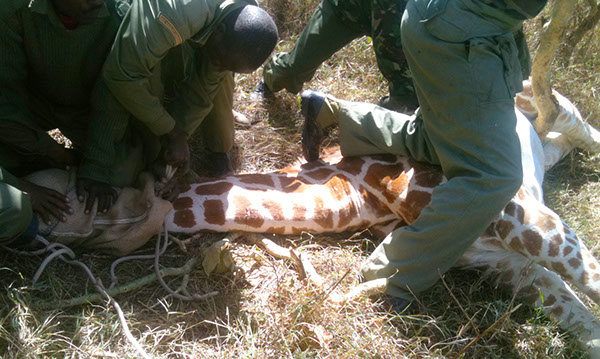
[(559, 268), (323, 215), (525, 104), (567, 250), (245, 214), (510, 209), (298, 230), (566, 298), (502, 264), (275, 209), (320, 174), (292, 185), (214, 213), (380, 175), (426, 175), (504, 228), (489, 231), (550, 300), (352, 165), (557, 311), (276, 230), (575, 263), (257, 179), (373, 203), (585, 278), (592, 266), (213, 188), (299, 213), (507, 276), (596, 277), (571, 240), (554, 246), (311, 165), (532, 241), (183, 203), (520, 215), (516, 245), (546, 223), (184, 218), (346, 215), (529, 294), (414, 204), (289, 170), (339, 187), (521, 195)]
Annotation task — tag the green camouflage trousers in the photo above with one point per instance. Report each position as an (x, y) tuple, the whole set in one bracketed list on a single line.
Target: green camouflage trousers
[(333, 25)]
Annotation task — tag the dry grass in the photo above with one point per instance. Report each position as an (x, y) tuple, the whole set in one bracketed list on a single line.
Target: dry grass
[(263, 309)]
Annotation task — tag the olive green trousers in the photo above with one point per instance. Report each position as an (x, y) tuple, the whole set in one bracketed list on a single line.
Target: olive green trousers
[(466, 124)]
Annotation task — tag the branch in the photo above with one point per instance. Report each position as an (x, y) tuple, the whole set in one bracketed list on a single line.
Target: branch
[(125, 288), (542, 87)]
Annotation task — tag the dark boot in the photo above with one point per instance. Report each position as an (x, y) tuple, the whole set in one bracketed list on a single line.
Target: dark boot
[(312, 134), (262, 91)]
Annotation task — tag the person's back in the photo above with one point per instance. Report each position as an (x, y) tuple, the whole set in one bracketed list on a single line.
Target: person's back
[(50, 62)]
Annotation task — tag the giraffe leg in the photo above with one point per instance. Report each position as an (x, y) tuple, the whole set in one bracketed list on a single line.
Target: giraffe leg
[(569, 122), (533, 230), (541, 287)]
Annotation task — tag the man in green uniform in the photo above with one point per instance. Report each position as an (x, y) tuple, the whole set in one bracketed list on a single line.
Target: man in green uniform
[(334, 24), (172, 67), (19, 200), (466, 71), (52, 54)]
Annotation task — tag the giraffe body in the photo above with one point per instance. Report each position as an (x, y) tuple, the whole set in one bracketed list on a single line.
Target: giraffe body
[(527, 245)]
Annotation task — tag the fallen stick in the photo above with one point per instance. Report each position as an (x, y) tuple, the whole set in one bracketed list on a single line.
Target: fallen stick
[(304, 266), (128, 287)]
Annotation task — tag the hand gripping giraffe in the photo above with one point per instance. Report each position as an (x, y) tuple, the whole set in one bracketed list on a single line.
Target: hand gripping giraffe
[(527, 245)]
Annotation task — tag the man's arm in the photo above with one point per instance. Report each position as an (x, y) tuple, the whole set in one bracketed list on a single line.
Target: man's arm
[(149, 30)]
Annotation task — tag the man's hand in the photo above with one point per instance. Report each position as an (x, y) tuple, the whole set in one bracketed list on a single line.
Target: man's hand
[(104, 193), (177, 151), (46, 202)]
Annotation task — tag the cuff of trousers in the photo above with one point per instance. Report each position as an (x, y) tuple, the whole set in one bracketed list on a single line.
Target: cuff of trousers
[(328, 115)]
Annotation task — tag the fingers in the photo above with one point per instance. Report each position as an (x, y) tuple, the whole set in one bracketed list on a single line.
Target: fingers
[(89, 204), (51, 204), (81, 188)]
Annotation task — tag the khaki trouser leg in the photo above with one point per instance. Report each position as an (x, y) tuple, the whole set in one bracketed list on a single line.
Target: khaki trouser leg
[(323, 36), (468, 114), (217, 126)]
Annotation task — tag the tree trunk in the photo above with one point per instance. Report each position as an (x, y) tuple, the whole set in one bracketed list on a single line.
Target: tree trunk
[(549, 42)]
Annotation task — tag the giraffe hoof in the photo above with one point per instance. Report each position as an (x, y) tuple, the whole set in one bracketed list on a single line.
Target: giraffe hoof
[(312, 134)]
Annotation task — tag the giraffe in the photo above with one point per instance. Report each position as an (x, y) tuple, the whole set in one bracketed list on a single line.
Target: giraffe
[(527, 245)]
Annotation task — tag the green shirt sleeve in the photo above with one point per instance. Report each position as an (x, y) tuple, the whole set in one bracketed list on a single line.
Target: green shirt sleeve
[(108, 124), (194, 98), (149, 30), (17, 126)]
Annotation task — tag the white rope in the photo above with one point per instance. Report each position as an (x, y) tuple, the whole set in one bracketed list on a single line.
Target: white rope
[(174, 293), (58, 250)]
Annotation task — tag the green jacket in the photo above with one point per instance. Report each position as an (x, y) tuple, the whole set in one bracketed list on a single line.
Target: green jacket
[(148, 32), (46, 71)]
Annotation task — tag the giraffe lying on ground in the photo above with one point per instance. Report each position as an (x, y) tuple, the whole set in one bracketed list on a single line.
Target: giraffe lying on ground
[(527, 245)]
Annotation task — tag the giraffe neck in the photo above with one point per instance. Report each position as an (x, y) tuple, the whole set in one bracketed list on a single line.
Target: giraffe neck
[(340, 195)]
